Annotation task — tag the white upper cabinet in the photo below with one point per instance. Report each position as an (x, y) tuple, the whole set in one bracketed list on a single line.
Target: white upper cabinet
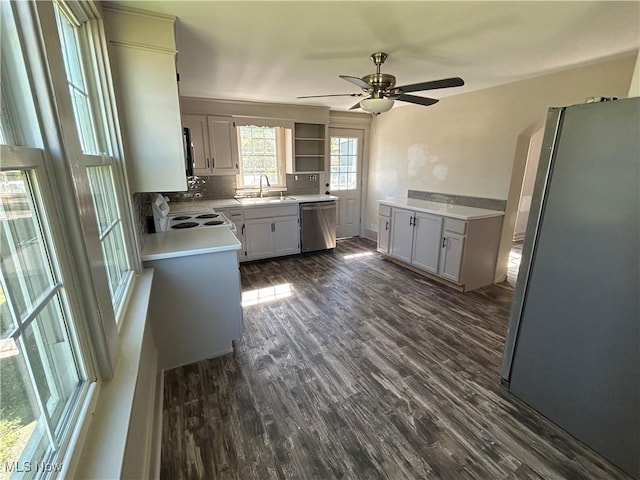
[(143, 62), (223, 143), (214, 142), (309, 149)]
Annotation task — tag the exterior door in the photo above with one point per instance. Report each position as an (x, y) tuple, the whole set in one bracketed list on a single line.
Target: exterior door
[(345, 181)]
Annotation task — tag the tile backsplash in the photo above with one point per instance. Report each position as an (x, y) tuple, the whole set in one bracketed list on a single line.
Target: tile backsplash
[(212, 188), (142, 214), (478, 202)]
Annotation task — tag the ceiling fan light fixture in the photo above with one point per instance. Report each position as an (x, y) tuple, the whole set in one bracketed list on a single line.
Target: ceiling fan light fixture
[(376, 105)]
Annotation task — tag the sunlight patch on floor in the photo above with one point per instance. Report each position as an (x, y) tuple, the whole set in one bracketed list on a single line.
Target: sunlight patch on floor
[(267, 294), (357, 255)]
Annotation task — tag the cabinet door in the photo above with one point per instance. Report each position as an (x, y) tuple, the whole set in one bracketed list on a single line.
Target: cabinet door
[(258, 237), (147, 94), (197, 124), (286, 235), (451, 256), (401, 234), (384, 231), (426, 241), (223, 146)]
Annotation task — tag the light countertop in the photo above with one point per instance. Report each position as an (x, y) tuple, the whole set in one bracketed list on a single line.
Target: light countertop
[(194, 205), (454, 211), (182, 243)]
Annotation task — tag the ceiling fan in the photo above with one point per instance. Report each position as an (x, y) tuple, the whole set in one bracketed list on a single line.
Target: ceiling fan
[(381, 92)]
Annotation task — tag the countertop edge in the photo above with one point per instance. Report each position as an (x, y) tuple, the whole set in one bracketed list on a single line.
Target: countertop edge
[(189, 252), (253, 202), (478, 216)]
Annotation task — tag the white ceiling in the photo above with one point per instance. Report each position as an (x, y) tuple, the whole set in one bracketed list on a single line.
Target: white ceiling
[(275, 51)]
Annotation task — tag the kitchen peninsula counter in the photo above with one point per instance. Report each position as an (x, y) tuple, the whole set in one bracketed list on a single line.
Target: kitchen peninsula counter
[(181, 243), (444, 209)]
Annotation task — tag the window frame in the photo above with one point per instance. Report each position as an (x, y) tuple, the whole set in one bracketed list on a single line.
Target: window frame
[(93, 57), (34, 162), (284, 145)]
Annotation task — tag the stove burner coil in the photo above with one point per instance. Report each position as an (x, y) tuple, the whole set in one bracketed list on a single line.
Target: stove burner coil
[(182, 217), (214, 222), (185, 224), (208, 215)]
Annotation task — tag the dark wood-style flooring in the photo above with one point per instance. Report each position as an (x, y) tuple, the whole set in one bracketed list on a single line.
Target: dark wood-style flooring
[(354, 368)]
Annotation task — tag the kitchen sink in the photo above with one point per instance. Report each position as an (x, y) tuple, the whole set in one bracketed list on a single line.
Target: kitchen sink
[(264, 200)]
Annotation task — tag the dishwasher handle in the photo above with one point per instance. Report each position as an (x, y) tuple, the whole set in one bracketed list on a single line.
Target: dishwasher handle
[(318, 205)]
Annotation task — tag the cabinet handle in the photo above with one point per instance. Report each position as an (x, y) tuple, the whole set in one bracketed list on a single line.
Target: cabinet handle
[(273, 227), (444, 242), (242, 229), (386, 225), (213, 162), (411, 221)]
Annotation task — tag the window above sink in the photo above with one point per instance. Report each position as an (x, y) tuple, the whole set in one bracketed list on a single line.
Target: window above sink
[(263, 148)]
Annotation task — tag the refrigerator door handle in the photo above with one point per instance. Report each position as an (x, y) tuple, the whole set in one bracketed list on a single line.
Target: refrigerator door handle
[(545, 168)]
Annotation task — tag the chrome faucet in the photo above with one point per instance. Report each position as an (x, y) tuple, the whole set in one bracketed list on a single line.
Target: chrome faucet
[(268, 184)]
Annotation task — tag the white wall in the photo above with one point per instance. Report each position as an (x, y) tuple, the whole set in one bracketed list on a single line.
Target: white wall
[(634, 89), (533, 157), (466, 144)]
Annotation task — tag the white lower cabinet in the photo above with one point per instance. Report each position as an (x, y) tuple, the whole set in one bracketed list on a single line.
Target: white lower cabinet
[(271, 231), (384, 228), (259, 238), (415, 238), (451, 256), (286, 235), (463, 252)]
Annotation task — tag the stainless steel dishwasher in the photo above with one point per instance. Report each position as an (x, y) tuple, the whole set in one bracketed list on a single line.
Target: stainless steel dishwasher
[(317, 226)]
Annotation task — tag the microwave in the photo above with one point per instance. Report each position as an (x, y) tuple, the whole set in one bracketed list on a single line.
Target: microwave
[(188, 151)]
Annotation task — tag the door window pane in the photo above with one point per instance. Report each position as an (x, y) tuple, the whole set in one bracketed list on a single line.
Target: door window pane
[(344, 163)]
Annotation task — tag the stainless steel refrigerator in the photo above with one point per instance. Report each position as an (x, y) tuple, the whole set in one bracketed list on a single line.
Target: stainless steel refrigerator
[(572, 349)]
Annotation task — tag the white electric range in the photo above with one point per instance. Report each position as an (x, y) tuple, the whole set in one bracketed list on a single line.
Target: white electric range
[(165, 221)]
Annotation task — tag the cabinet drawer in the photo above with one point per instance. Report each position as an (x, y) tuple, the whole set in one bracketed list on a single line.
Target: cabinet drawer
[(267, 212), (455, 225), (384, 210), (235, 214)]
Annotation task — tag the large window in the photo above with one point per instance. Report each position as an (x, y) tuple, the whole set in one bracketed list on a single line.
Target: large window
[(64, 241), (42, 377), (263, 150), (45, 377), (100, 166)]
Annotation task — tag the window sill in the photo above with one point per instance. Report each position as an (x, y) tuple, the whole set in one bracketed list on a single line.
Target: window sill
[(106, 437)]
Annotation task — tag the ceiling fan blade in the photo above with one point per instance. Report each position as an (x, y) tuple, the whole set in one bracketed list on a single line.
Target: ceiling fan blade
[(334, 95), (356, 81), (418, 100), (356, 106), (444, 83)]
